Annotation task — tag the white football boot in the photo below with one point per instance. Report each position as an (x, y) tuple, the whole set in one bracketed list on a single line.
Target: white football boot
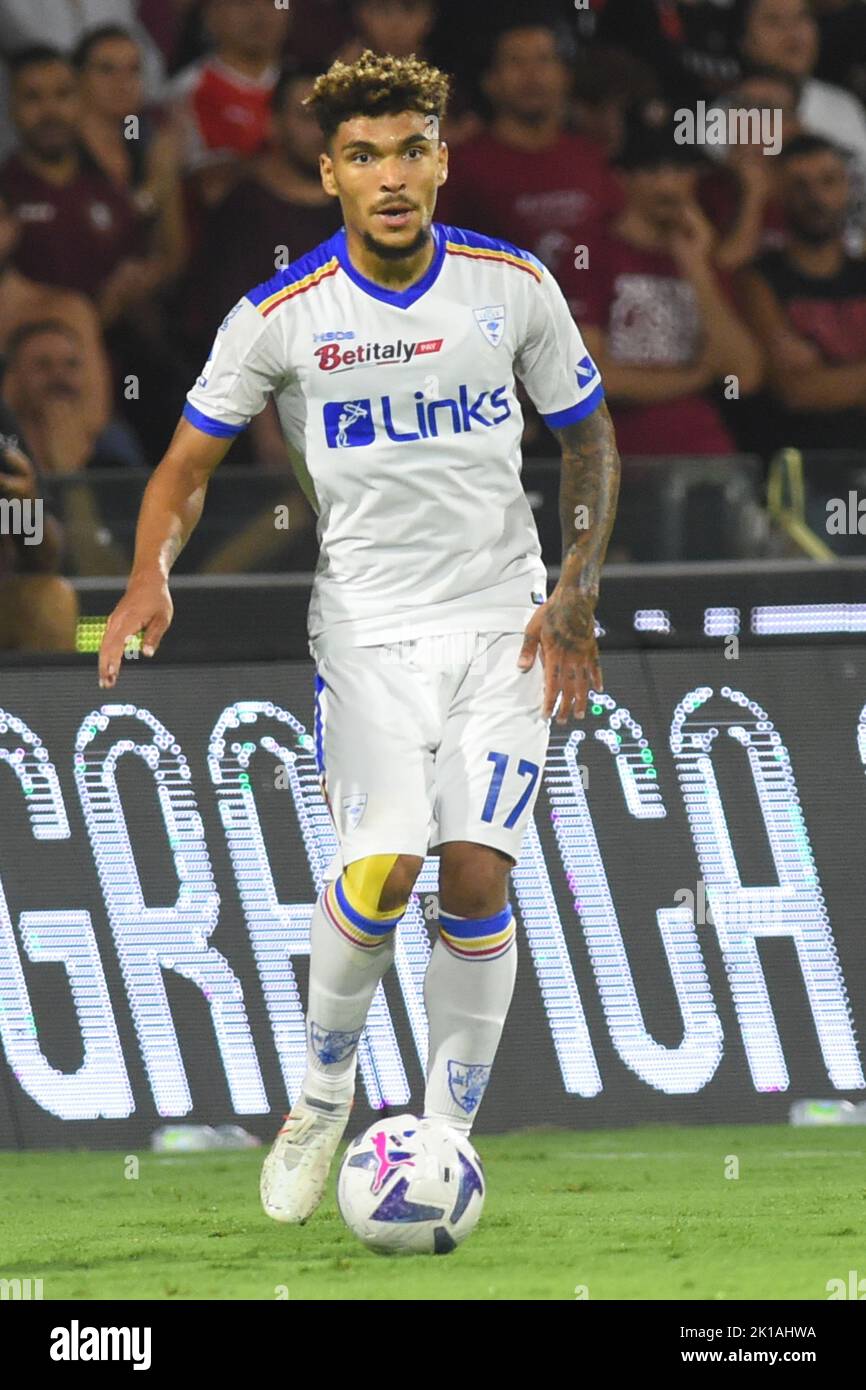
[(295, 1172)]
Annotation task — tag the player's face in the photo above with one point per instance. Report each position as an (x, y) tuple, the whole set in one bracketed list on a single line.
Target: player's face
[(386, 171), (45, 109), (111, 80)]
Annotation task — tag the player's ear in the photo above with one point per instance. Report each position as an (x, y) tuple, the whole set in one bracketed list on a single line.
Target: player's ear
[(442, 170), (326, 172)]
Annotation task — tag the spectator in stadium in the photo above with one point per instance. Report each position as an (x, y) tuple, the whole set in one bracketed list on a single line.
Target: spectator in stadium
[(656, 318), (275, 214), (78, 230), (222, 101), (741, 196), (527, 179), (43, 387), (403, 27), (61, 25), (128, 144), (608, 84), (783, 34), (24, 301), (688, 43), (38, 608), (807, 305)]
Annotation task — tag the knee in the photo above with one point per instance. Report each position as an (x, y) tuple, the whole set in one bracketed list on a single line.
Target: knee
[(400, 882), (473, 879), (382, 883)]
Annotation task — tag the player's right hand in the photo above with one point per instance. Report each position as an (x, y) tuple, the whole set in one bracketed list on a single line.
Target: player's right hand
[(146, 607)]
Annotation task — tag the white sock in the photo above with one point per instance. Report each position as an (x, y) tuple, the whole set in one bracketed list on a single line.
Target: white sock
[(467, 994), (349, 954)]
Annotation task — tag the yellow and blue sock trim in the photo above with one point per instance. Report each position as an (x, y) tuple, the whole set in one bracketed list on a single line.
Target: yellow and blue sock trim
[(478, 938), (366, 929)]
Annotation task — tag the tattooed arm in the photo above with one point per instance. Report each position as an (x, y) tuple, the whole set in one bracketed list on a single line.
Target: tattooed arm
[(170, 510), (564, 627)]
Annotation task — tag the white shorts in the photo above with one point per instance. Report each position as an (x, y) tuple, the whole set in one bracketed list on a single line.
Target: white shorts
[(425, 741)]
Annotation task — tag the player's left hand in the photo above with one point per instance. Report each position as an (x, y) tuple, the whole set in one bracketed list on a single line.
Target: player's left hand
[(564, 628)]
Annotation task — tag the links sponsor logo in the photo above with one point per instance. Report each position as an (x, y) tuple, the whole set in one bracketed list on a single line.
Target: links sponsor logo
[(334, 358), (353, 424)]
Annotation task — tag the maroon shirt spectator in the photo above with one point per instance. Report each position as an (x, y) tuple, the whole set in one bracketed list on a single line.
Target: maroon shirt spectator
[(73, 235), (655, 314), (76, 227), (650, 318), (528, 180)]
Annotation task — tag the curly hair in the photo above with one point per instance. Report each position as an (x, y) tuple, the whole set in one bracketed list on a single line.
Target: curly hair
[(377, 85)]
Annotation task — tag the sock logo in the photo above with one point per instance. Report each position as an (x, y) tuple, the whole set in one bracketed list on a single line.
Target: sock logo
[(467, 1082), (332, 1045)]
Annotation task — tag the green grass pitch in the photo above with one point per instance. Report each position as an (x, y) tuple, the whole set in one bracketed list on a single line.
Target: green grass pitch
[(622, 1214)]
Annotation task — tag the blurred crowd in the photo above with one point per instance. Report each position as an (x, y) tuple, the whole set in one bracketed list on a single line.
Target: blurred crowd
[(157, 161)]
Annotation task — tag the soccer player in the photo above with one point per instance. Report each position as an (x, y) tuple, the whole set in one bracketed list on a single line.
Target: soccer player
[(391, 350)]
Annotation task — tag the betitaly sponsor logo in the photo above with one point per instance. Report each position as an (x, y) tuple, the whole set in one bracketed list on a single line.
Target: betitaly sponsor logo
[(332, 357), (353, 424)]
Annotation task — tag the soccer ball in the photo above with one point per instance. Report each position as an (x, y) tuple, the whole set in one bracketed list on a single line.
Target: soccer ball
[(409, 1186)]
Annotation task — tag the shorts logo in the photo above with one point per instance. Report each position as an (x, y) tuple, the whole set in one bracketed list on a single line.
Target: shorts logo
[(467, 1082), (354, 808), (349, 424), (537, 596), (491, 321)]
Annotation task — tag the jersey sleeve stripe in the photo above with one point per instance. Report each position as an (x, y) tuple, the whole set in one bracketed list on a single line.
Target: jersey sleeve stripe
[(208, 425), (308, 282), (560, 418), (486, 253)]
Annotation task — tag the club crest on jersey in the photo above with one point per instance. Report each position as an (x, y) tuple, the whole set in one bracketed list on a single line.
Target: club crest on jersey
[(354, 808), (491, 321), (467, 1082)]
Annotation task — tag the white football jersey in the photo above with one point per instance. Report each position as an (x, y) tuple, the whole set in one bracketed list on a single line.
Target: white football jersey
[(400, 407)]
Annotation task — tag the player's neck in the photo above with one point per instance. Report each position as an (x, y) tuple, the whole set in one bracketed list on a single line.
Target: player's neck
[(390, 274)]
